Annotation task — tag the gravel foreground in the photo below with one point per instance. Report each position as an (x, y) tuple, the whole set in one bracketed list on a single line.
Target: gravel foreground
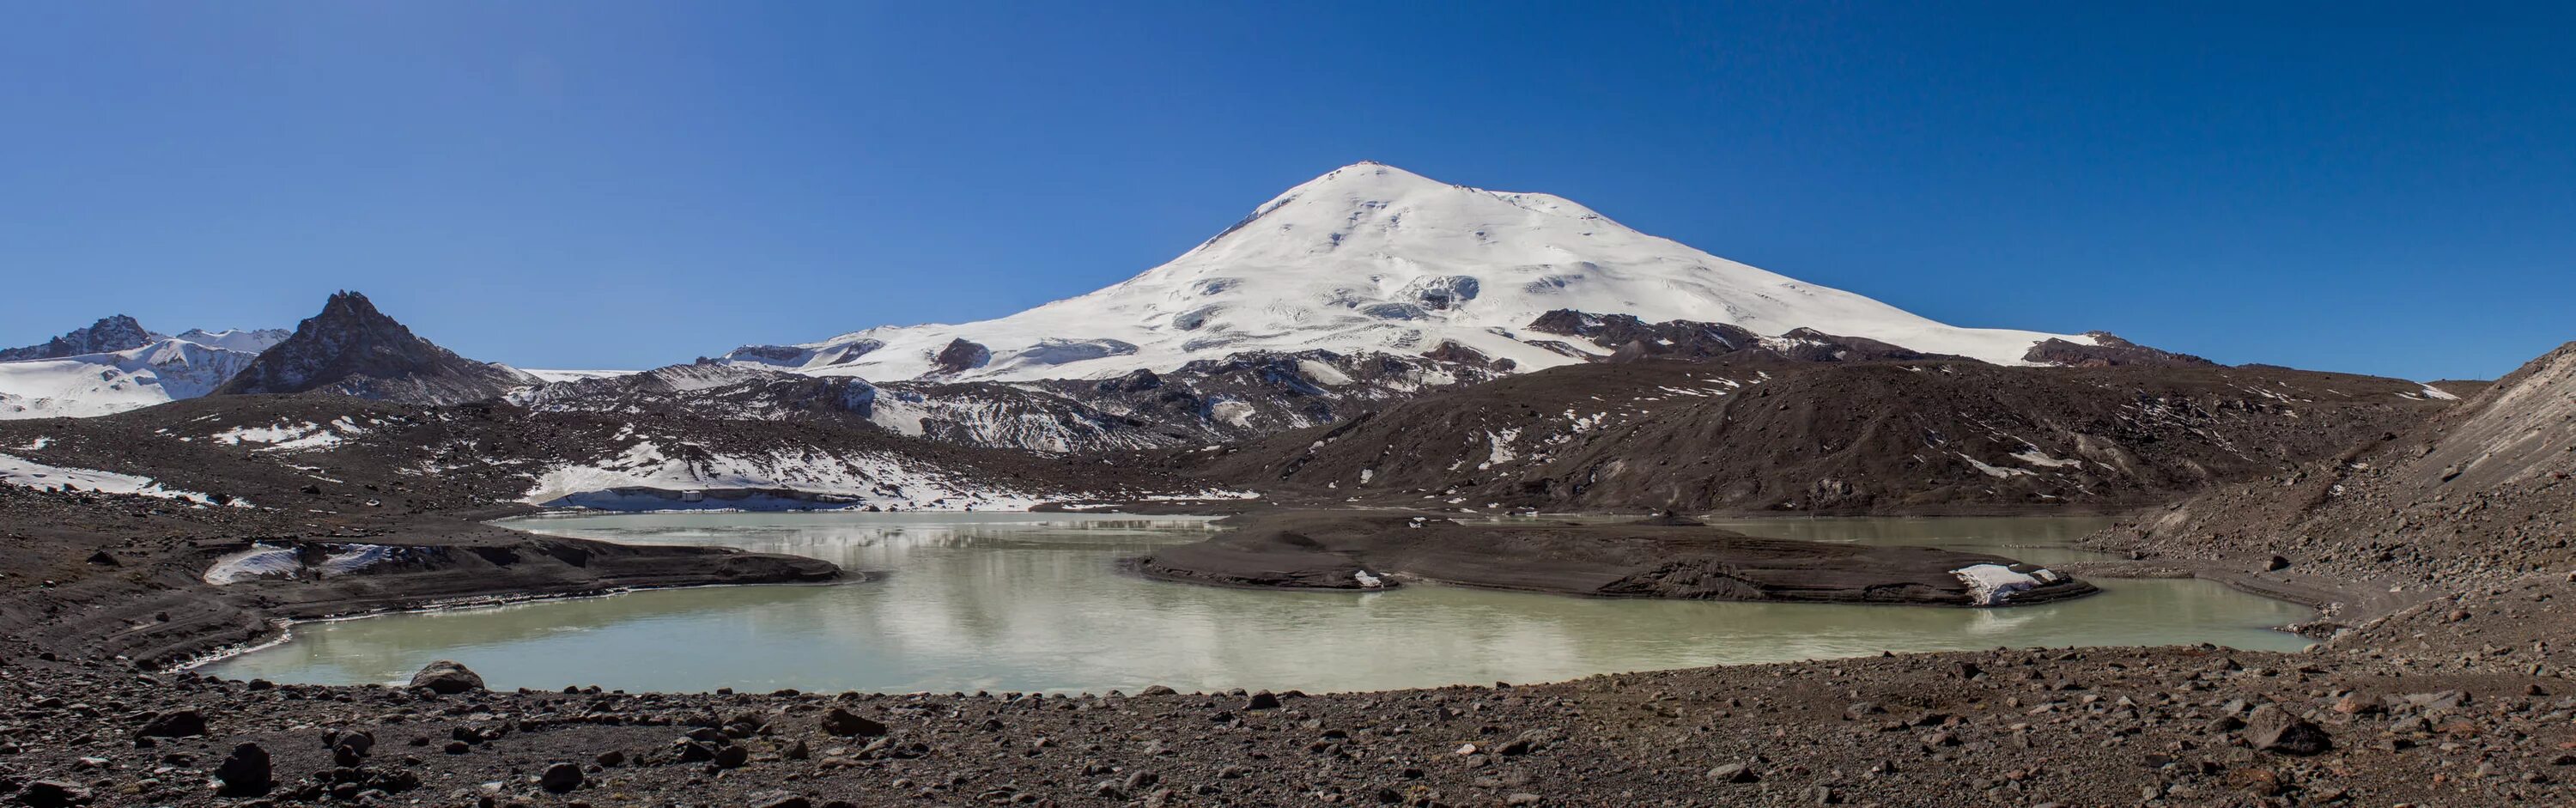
[(2448, 701)]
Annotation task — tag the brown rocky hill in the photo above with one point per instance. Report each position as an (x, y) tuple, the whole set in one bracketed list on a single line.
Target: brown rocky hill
[(1745, 435), (353, 349), (2474, 495)]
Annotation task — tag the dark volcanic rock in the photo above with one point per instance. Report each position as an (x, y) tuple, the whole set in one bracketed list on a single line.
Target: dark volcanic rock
[(52, 794), (560, 777), (115, 333), (961, 356), (353, 349), (844, 723), (2109, 351), (244, 772), (2273, 729), (180, 723), (1630, 338), (447, 678)]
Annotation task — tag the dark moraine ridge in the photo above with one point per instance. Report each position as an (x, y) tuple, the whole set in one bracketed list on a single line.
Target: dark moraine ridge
[(1656, 558)]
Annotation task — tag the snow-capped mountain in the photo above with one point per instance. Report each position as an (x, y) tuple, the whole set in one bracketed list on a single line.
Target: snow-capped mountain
[(116, 365), (1373, 258), (111, 333)]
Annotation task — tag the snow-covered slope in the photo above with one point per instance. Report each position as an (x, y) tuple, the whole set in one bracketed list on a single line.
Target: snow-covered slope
[(245, 340), (1371, 257), (166, 369)]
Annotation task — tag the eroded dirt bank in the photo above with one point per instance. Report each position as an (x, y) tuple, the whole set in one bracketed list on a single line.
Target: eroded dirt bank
[(1657, 558)]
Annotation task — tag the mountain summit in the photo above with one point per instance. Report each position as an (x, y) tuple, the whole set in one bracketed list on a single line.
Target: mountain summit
[(112, 333), (353, 349), (1370, 257)]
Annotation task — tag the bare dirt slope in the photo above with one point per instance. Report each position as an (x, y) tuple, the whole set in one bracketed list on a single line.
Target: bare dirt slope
[(1872, 437), (2476, 496)]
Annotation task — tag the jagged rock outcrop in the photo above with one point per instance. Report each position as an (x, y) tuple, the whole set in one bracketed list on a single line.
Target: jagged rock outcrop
[(352, 349), (2109, 351), (960, 356), (1630, 339)]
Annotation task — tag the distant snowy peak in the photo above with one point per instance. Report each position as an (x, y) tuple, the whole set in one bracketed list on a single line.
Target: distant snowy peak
[(1373, 258), (111, 333), (353, 349), (85, 373)]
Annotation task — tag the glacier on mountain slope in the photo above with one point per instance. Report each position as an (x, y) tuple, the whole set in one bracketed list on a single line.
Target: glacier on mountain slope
[(1371, 257), (168, 369)]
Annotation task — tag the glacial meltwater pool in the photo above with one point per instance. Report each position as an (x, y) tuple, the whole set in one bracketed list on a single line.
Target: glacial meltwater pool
[(1034, 602)]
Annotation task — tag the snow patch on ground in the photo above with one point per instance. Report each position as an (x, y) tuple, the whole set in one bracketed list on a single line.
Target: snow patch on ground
[(1321, 373), (19, 471), (645, 477), (2036, 457), (2437, 393), (350, 558), (1993, 584), (553, 376), (260, 561), (1991, 470), (303, 437)]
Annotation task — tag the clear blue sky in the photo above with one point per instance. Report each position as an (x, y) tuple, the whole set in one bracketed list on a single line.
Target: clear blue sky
[(627, 184)]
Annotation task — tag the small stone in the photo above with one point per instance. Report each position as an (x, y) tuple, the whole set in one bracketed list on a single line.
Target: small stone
[(1264, 700), (2277, 564), (780, 799), (1734, 773), (1158, 690), (1522, 798)]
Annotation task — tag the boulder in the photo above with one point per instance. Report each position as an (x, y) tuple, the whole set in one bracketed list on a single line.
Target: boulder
[(447, 678), (2272, 729), (52, 794), (244, 773), (184, 722), (560, 777), (845, 723)]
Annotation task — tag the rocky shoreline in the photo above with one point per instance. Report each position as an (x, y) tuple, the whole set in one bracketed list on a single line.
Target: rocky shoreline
[(2457, 701)]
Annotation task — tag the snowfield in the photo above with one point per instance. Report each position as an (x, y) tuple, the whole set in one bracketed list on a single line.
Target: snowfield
[(647, 477), (1374, 258), (97, 384), (19, 471)]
